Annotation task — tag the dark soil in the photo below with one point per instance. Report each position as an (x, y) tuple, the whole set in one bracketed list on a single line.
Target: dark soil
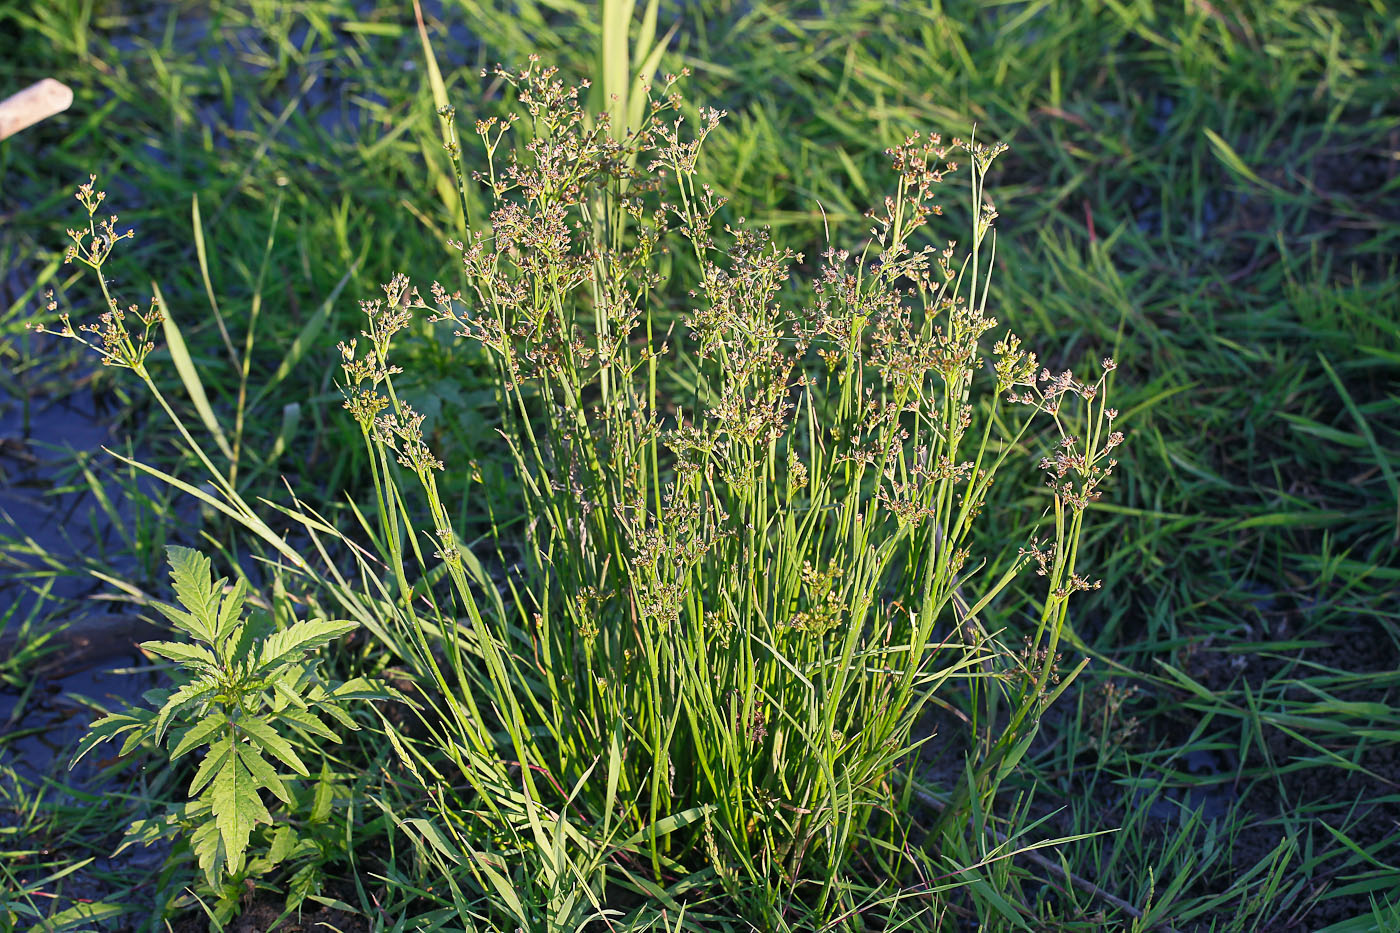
[(1365, 807)]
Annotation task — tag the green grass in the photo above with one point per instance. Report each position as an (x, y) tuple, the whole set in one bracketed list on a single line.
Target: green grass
[(1242, 278)]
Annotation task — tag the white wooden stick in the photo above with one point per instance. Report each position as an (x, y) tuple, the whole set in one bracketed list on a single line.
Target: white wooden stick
[(36, 102)]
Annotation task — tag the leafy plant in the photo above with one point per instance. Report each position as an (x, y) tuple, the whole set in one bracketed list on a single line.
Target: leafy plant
[(252, 703)]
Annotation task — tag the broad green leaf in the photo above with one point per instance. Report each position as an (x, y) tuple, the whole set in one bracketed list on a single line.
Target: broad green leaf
[(149, 832), (231, 610), (299, 639), (284, 840), (267, 738), (309, 721), (287, 695), (195, 588), (263, 773), (237, 808), (189, 693), (196, 734), (185, 622), (339, 715), (156, 697), (305, 882), (208, 848), (133, 739), (192, 810), (362, 688), (106, 729), (218, 754), (324, 797), (182, 653)]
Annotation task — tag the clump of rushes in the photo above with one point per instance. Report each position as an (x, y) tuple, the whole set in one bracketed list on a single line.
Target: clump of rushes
[(741, 579), (737, 597), (118, 344)]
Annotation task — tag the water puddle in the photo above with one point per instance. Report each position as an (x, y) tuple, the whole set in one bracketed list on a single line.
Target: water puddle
[(67, 652), (40, 725)]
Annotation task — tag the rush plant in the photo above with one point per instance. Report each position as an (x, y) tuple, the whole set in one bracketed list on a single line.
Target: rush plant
[(748, 563), (754, 503)]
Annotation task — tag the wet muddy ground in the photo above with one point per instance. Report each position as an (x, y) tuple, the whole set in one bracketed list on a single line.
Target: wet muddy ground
[(68, 651)]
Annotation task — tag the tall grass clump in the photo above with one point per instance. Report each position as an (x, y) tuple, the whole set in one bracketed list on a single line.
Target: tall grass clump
[(747, 562), (747, 556)]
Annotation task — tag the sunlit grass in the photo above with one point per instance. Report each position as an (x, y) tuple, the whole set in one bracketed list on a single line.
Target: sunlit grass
[(1254, 512)]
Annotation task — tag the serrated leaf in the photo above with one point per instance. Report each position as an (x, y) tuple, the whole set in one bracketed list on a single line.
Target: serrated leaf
[(284, 840), (148, 832), (361, 688), (288, 696), (264, 773), (106, 729), (189, 693), (232, 610), (156, 696), (133, 739), (237, 808), (300, 639), (182, 653), (218, 754), (309, 721), (324, 796), (183, 621), (195, 587), (268, 739), (191, 810), (302, 883), (208, 848), (195, 735), (301, 676), (330, 708)]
